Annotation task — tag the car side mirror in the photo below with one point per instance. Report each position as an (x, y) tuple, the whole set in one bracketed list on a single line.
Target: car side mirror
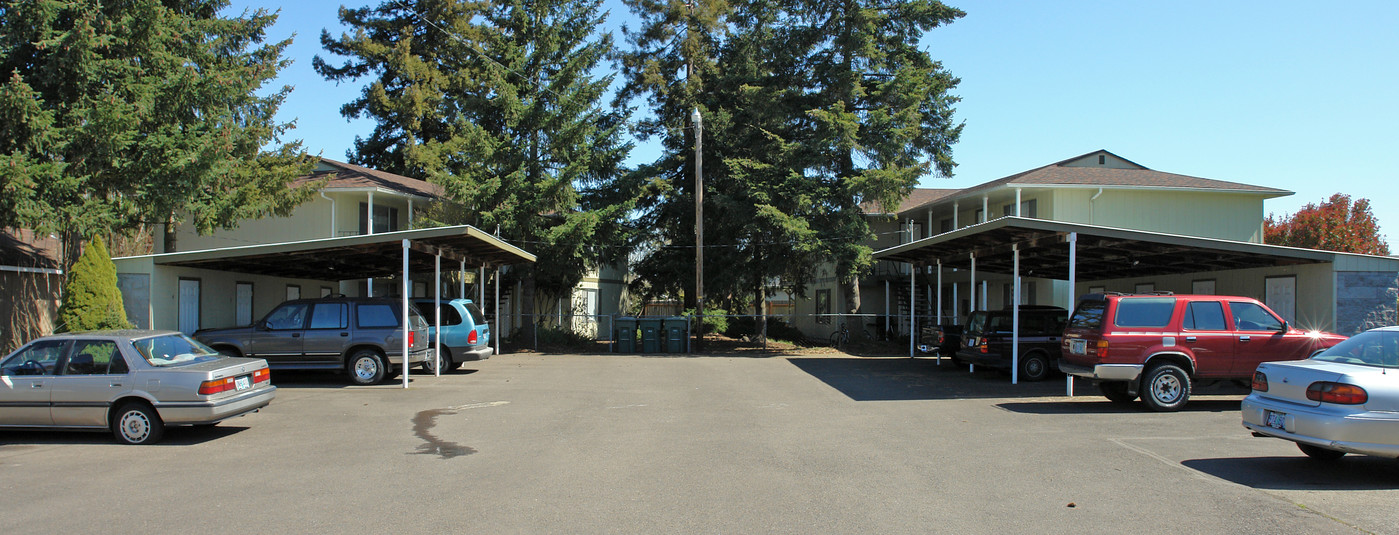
[(262, 325), (1285, 327)]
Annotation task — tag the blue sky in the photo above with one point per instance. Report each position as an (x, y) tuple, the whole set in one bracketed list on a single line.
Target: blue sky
[(1293, 95)]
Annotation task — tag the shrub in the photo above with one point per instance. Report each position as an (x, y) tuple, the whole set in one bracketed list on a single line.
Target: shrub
[(91, 299)]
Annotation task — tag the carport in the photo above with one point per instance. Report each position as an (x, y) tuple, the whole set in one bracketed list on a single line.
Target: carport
[(1076, 252), (367, 256)]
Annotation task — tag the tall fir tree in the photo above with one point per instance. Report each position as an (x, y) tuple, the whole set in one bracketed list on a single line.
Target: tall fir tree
[(881, 113), (91, 299), (119, 114), (496, 102)]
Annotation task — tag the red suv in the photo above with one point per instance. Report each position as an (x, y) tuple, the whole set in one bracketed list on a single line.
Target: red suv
[(1156, 345)]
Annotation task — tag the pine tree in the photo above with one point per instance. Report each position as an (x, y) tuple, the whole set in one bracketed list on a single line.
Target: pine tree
[(880, 109), (91, 299), (128, 112), (497, 103)]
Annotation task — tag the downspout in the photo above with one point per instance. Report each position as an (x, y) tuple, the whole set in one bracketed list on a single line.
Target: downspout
[(1093, 208), (332, 213)]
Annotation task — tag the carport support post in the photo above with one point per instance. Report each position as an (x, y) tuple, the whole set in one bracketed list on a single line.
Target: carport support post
[(437, 291), (495, 332), (1015, 315), (406, 330), (912, 304), (971, 368), (1073, 275), (938, 318)]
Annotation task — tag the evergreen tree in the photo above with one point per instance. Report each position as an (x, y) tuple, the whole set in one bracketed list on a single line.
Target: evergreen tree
[(880, 109), (496, 102), (672, 57), (91, 299), (128, 112)]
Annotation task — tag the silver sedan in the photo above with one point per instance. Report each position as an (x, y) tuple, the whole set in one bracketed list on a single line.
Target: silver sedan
[(134, 383), (1343, 400)]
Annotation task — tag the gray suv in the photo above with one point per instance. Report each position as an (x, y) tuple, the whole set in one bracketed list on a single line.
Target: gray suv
[(359, 335)]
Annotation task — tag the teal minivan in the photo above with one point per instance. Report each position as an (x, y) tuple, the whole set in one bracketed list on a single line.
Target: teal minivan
[(465, 333)]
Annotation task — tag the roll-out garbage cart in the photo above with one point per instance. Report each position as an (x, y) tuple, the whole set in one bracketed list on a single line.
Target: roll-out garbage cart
[(677, 330), (624, 332), (652, 335)]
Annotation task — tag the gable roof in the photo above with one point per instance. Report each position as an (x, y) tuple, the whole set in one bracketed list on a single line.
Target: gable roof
[(917, 197), (354, 177), (1073, 172)]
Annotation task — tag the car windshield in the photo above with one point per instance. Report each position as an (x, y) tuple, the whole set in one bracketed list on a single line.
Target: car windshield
[(173, 350), (1370, 348)]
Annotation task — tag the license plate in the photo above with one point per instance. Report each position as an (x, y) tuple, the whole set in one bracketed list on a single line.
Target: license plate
[(1078, 347), (1276, 420), (243, 383)]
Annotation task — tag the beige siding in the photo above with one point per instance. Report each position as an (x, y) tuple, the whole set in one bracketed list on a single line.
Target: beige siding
[(217, 292), (1208, 215), (309, 221)]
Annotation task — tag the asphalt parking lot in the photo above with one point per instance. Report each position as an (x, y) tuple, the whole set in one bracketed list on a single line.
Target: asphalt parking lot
[(632, 444)]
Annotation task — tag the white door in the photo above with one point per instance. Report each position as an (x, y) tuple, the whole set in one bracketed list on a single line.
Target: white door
[(244, 306), (1280, 294), (189, 305)]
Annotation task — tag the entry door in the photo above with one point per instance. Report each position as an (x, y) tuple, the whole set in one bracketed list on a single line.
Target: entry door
[(189, 305), (1281, 296), (244, 305)]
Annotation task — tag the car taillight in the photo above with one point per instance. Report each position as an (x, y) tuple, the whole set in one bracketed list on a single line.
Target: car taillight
[(984, 348), (941, 340), (1260, 382), (411, 337), (262, 376), (472, 338), (1338, 393), (1100, 350)]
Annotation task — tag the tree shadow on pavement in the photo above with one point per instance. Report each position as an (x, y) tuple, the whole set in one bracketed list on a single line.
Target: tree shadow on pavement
[(903, 379)]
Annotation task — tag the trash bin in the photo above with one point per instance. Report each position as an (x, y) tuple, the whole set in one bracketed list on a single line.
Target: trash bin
[(652, 335), (624, 332), (676, 331)]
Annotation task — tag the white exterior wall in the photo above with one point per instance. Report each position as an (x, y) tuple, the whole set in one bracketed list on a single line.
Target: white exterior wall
[(217, 292)]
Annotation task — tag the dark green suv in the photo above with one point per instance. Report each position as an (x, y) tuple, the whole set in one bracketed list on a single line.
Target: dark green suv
[(358, 335)]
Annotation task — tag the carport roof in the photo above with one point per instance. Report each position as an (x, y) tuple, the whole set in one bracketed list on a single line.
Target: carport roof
[(356, 257), (1102, 252)]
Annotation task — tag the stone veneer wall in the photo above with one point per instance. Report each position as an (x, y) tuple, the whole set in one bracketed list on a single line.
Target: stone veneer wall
[(1365, 300)]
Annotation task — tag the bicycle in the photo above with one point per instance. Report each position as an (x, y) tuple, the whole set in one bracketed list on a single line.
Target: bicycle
[(840, 337)]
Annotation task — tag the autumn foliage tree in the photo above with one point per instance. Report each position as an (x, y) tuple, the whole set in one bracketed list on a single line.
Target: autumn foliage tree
[(1334, 225)]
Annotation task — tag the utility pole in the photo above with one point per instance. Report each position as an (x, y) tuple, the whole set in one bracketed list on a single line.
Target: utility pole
[(699, 220)]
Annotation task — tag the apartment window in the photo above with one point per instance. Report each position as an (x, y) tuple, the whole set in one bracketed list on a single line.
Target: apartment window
[(1102, 159), (946, 226), (823, 306), (1027, 209), (385, 218), (1027, 294), (293, 292)]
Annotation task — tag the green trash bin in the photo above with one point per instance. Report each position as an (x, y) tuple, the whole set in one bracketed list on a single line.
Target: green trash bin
[(677, 331), (624, 333), (652, 335)]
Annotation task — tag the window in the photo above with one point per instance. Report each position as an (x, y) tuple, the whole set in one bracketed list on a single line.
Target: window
[(1145, 288), (385, 218), (823, 307), (287, 317), (1251, 317), (1204, 316), (1102, 159), (330, 316), (325, 291), (1027, 208), (1202, 287), (372, 316), (40, 358), (978, 217), (1027, 293), (293, 292), (1146, 312), (1088, 315), (476, 316), (172, 350), (946, 225), (94, 357)]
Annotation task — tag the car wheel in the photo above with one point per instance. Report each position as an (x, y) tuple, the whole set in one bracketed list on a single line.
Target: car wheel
[(1165, 388), (366, 367), (228, 351), (430, 365), (137, 423), (1320, 454), (1034, 367), (1116, 391)]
